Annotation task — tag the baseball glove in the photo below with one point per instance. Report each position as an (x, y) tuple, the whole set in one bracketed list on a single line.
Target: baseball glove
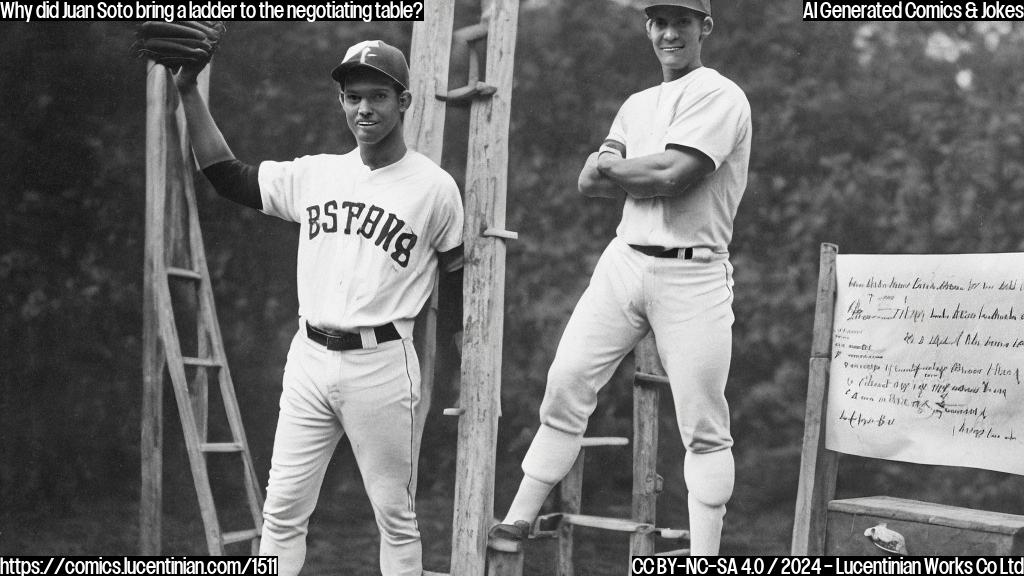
[(175, 44)]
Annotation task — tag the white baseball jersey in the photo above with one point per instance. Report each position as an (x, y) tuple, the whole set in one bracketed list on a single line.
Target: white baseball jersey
[(369, 239), (705, 111)]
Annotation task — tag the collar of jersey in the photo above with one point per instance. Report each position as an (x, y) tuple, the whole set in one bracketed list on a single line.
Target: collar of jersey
[(383, 169), (387, 173), (693, 75)]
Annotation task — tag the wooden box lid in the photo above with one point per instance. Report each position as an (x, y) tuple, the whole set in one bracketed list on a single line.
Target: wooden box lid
[(888, 507)]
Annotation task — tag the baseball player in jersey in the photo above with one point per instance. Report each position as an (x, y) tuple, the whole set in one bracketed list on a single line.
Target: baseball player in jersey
[(375, 225), (678, 153)]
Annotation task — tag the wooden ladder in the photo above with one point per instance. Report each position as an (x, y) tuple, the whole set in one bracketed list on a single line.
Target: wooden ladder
[(648, 380), (178, 294)]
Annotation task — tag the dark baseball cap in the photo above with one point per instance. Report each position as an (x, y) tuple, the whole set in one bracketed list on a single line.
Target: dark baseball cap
[(377, 55), (698, 5)]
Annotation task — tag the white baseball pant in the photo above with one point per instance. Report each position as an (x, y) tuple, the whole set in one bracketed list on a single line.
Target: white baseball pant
[(370, 395), (688, 305)]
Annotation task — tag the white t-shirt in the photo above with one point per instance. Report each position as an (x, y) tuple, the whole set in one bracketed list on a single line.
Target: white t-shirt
[(368, 240), (705, 111)]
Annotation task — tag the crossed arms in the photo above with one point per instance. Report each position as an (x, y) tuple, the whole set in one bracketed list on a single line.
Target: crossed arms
[(607, 174)]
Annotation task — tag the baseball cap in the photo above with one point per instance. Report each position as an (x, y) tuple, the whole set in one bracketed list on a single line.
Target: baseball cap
[(698, 5), (377, 55)]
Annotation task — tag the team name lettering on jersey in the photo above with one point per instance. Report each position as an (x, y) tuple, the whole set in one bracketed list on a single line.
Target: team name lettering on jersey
[(366, 221)]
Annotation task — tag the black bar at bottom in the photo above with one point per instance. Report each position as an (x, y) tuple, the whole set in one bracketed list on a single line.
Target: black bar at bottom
[(130, 565), (821, 565)]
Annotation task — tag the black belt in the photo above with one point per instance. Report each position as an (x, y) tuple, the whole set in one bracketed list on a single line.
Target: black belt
[(349, 340), (662, 252)]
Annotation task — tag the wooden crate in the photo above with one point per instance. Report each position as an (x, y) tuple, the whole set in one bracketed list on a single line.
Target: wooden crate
[(929, 529)]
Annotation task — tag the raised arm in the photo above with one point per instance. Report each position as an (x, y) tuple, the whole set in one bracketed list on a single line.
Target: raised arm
[(186, 47), (231, 178), (208, 143)]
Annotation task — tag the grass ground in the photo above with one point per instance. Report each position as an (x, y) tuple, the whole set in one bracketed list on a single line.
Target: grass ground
[(342, 538)]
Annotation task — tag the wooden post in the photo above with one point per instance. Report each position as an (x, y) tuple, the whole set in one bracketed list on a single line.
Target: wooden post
[(504, 563), (646, 484), (428, 68), (818, 465), (151, 496), (181, 238), (484, 287), (424, 132), (570, 494)]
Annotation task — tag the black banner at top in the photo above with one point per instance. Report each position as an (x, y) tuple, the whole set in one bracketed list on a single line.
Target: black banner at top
[(913, 10), (171, 10)]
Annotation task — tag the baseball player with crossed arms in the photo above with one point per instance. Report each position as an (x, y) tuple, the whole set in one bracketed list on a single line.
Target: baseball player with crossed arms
[(375, 226), (678, 153)]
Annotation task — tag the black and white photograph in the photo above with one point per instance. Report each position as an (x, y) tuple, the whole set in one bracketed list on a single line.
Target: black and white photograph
[(512, 287)]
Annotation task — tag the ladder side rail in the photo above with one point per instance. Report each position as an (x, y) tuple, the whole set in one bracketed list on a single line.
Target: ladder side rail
[(153, 359), (483, 314), (818, 465), (646, 485)]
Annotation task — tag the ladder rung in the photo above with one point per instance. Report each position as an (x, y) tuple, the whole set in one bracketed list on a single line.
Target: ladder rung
[(507, 546), (604, 441), (501, 233), (645, 378), (429, 573), (220, 447), (467, 94), (471, 33), (208, 362), (183, 273), (454, 411), (240, 536), (680, 552), (603, 523)]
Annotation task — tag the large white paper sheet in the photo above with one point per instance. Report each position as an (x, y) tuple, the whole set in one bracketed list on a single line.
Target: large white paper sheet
[(927, 355)]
